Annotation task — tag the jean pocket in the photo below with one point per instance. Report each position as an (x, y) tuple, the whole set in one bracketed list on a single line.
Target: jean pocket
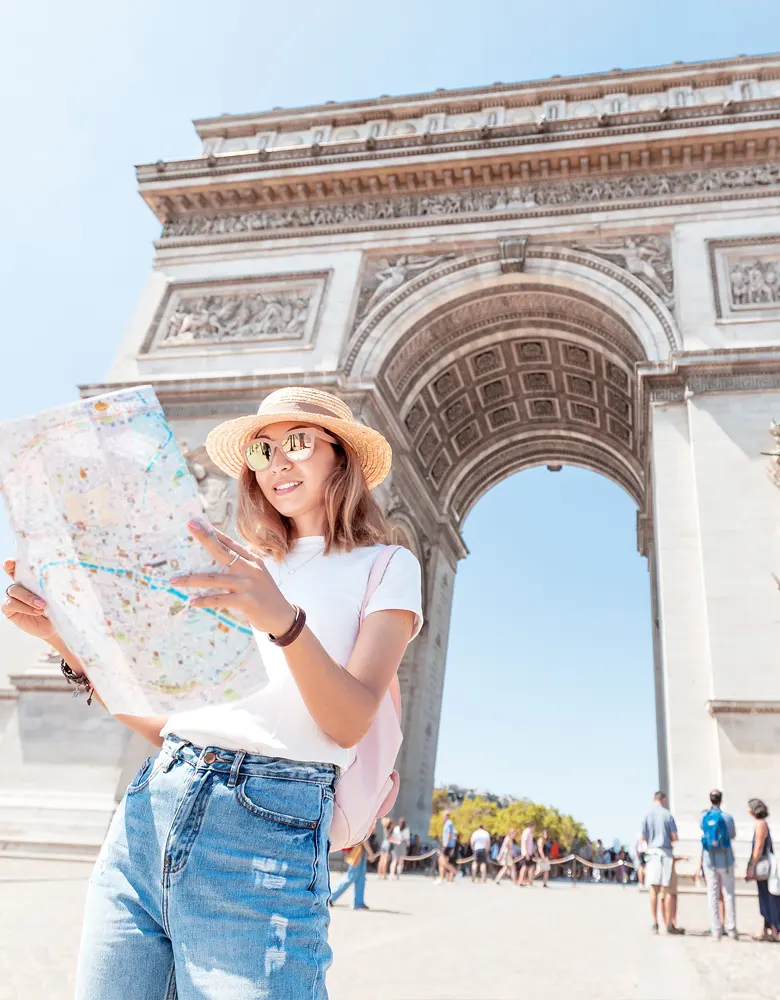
[(288, 801), (144, 775)]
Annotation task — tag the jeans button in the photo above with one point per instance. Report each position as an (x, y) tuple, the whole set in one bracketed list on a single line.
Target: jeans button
[(209, 757)]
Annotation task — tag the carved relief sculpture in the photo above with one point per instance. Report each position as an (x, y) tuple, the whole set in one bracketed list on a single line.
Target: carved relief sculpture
[(384, 276), (254, 316), (648, 258), (268, 309), (754, 283)]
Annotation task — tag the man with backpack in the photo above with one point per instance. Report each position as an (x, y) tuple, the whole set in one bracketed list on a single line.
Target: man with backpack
[(717, 865)]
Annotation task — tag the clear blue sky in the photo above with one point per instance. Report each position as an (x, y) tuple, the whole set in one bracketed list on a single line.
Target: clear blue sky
[(557, 703)]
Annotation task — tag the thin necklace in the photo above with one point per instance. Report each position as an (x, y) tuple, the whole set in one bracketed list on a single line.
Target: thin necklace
[(292, 572)]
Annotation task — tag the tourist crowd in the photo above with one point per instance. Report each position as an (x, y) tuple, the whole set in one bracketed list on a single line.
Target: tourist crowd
[(484, 856)]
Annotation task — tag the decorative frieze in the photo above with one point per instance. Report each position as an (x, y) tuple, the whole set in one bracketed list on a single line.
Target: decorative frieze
[(273, 310), (519, 199)]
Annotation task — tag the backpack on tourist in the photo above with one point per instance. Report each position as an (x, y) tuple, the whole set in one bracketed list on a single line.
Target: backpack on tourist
[(368, 787), (715, 831)]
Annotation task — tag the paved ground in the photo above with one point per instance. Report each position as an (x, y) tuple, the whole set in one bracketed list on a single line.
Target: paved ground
[(422, 941)]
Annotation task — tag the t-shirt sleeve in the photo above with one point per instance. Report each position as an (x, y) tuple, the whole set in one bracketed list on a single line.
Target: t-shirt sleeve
[(400, 588), (672, 825)]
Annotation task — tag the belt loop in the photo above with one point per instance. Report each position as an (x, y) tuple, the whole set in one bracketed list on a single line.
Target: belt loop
[(238, 760)]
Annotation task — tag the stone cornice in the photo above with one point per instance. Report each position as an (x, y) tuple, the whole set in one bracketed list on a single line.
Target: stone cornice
[(719, 72), (735, 707), (40, 681), (702, 372), (560, 193), (542, 141)]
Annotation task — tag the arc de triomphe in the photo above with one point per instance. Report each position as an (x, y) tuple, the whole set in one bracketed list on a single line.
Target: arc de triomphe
[(577, 271)]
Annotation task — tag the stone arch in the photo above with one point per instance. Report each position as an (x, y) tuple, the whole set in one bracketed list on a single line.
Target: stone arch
[(457, 275), (497, 373)]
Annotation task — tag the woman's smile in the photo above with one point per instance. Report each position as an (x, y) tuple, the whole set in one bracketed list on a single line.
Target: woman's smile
[(283, 489)]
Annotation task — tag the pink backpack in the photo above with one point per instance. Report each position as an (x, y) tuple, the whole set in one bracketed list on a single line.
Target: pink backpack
[(368, 786)]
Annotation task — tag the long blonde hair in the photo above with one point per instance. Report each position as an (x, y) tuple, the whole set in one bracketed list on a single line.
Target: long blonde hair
[(352, 516)]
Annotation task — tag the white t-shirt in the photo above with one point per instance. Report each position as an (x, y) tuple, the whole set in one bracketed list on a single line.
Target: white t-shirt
[(275, 721), (400, 836), (480, 840)]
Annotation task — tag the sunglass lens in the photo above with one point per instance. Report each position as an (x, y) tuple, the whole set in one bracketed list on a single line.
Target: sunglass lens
[(299, 446), (258, 455)]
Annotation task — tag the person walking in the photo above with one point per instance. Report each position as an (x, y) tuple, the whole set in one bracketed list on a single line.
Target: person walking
[(222, 838), (543, 862), (717, 865), (448, 852), (480, 847), (555, 853), (357, 862), (384, 849), (758, 871), (506, 857), (659, 833), (399, 848), (527, 860)]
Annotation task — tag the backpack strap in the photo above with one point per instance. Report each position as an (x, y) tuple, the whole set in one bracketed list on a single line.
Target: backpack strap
[(376, 575), (374, 579)]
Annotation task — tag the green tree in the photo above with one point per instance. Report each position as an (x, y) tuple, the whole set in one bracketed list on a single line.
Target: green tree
[(471, 812)]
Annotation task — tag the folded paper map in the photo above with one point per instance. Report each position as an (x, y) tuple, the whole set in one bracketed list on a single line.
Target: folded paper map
[(99, 498)]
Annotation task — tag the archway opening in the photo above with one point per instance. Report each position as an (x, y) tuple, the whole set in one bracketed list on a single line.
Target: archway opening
[(487, 378), (549, 687)]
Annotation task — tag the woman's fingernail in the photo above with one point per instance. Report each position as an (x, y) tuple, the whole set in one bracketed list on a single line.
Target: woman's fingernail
[(194, 525), (39, 603)]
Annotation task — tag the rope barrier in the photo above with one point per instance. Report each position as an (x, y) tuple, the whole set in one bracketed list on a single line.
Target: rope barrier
[(420, 857), (553, 862)]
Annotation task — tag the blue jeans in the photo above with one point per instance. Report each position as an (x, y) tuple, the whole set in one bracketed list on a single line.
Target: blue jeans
[(356, 875), (213, 882)]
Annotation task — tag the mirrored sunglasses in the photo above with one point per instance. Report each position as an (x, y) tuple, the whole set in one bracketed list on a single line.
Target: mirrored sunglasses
[(298, 446)]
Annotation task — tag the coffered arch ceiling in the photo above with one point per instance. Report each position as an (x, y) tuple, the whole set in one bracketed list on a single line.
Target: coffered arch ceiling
[(512, 375)]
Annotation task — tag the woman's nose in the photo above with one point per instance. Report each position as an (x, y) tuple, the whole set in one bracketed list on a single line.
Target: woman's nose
[(280, 462)]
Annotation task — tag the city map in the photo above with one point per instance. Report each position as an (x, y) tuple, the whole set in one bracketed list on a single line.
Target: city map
[(99, 497)]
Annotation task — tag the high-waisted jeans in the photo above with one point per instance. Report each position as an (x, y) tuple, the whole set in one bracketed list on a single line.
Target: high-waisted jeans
[(213, 882)]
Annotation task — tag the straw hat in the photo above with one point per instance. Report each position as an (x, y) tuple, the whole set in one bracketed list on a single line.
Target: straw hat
[(301, 405)]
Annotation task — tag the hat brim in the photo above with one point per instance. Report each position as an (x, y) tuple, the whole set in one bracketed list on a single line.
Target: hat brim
[(227, 442)]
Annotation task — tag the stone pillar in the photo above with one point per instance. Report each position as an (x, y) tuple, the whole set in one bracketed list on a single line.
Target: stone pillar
[(66, 766), (717, 528), (690, 732), (422, 685)]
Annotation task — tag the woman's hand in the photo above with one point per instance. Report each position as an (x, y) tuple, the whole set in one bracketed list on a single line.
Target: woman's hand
[(26, 610), (749, 873), (244, 586)]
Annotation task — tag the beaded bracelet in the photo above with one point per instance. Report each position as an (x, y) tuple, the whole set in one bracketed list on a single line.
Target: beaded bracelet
[(293, 631), (81, 681)]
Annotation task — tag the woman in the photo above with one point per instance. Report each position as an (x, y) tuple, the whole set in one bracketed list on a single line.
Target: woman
[(399, 848), (768, 904), (543, 863), (384, 848), (222, 839), (506, 857)]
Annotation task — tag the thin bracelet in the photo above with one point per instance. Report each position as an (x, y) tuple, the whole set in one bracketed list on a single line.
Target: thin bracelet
[(81, 681), (293, 631)]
